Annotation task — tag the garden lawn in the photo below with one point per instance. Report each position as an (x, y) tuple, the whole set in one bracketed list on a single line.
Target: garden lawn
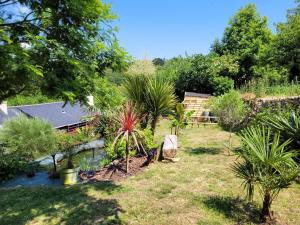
[(199, 189)]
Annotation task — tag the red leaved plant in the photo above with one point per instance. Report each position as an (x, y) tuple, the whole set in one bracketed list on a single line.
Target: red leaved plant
[(128, 120)]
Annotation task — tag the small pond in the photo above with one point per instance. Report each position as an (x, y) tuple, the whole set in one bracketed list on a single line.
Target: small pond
[(93, 156)]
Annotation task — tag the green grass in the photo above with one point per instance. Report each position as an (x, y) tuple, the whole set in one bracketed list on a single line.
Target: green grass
[(199, 189), (284, 90)]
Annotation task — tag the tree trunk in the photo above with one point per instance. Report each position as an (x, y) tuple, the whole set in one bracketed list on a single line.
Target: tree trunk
[(230, 140), (54, 163), (265, 212), (127, 157), (144, 122), (153, 124)]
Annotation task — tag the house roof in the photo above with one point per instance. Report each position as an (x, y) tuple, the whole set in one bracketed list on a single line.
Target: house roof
[(56, 113), (193, 94)]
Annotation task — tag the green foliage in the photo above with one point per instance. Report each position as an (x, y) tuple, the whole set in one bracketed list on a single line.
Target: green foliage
[(28, 136), (285, 49), (29, 99), (112, 152), (261, 88), (265, 163), (66, 142), (147, 138), (158, 62), (180, 118), (230, 109), (173, 67), (287, 126), (152, 96), (86, 164), (11, 164), (128, 131), (107, 96), (204, 75), (68, 44), (244, 38)]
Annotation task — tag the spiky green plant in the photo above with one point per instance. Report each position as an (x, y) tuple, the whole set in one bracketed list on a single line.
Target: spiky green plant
[(128, 121), (266, 164), (152, 96), (289, 127), (160, 99), (30, 136)]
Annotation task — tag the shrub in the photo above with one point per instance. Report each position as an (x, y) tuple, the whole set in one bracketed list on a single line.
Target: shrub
[(207, 74), (265, 164), (179, 118), (128, 122), (152, 96), (68, 141), (288, 127), (11, 164), (30, 137), (107, 96), (230, 109)]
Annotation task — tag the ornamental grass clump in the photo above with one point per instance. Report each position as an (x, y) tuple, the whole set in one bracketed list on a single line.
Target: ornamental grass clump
[(264, 163)]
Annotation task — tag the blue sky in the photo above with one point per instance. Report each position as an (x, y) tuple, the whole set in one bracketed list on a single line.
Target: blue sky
[(168, 28)]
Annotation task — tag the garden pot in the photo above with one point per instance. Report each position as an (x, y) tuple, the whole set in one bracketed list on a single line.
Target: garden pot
[(70, 176)]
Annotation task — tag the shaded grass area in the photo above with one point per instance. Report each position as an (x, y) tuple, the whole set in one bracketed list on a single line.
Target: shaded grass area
[(198, 189), (60, 205)]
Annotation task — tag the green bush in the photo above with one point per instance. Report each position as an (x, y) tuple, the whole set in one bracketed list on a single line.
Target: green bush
[(148, 139), (30, 99), (30, 137), (269, 112), (262, 88), (206, 74), (107, 96), (11, 164), (266, 164), (230, 108)]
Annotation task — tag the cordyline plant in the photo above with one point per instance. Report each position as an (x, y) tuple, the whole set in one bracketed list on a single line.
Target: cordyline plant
[(266, 164), (128, 121)]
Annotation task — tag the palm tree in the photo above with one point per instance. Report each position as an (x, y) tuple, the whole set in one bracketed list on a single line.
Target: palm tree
[(160, 99), (289, 128), (152, 96), (265, 164), (128, 121)]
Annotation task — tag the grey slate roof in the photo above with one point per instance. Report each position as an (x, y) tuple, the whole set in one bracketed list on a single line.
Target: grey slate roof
[(11, 113), (54, 112), (193, 94)]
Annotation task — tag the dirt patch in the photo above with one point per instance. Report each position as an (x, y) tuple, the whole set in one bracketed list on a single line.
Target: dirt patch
[(117, 170)]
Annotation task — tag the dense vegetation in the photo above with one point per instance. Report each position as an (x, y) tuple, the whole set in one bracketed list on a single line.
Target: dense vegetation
[(59, 51)]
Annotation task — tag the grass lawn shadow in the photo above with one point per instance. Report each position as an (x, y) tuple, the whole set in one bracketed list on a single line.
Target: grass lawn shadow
[(234, 208), (71, 205), (204, 150)]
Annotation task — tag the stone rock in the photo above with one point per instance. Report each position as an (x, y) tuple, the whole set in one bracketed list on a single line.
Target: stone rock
[(169, 148)]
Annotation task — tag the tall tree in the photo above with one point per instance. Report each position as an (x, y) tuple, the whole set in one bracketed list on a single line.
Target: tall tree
[(286, 46), (245, 37), (60, 41)]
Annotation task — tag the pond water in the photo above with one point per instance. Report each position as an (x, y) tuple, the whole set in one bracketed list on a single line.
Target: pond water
[(41, 177)]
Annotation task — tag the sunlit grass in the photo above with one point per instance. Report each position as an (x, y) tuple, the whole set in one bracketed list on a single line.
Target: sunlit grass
[(199, 189)]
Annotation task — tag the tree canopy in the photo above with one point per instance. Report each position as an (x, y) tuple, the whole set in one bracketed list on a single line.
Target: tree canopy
[(63, 44), (244, 38)]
